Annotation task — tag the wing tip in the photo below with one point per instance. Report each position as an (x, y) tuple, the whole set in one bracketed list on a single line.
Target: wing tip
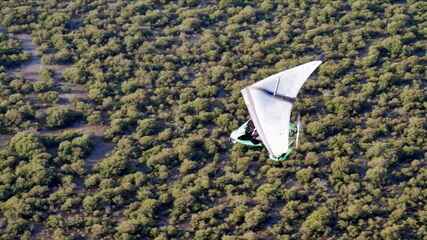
[(316, 62)]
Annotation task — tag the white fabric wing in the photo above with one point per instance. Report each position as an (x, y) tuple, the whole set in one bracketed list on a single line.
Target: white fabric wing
[(269, 102), (291, 80), (270, 118)]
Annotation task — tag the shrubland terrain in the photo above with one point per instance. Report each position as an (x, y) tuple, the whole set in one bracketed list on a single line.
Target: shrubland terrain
[(115, 117)]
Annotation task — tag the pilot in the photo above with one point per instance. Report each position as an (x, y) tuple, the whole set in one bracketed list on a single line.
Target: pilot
[(251, 133)]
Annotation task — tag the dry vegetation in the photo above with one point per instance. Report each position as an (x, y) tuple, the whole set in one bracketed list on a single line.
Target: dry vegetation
[(151, 91)]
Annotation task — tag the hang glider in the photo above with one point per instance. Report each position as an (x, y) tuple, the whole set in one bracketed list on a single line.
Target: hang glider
[(269, 103)]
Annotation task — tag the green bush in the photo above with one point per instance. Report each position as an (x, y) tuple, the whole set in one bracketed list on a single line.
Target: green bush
[(59, 117)]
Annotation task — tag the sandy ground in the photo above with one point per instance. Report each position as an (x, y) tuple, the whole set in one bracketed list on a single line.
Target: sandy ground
[(4, 139), (30, 69)]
